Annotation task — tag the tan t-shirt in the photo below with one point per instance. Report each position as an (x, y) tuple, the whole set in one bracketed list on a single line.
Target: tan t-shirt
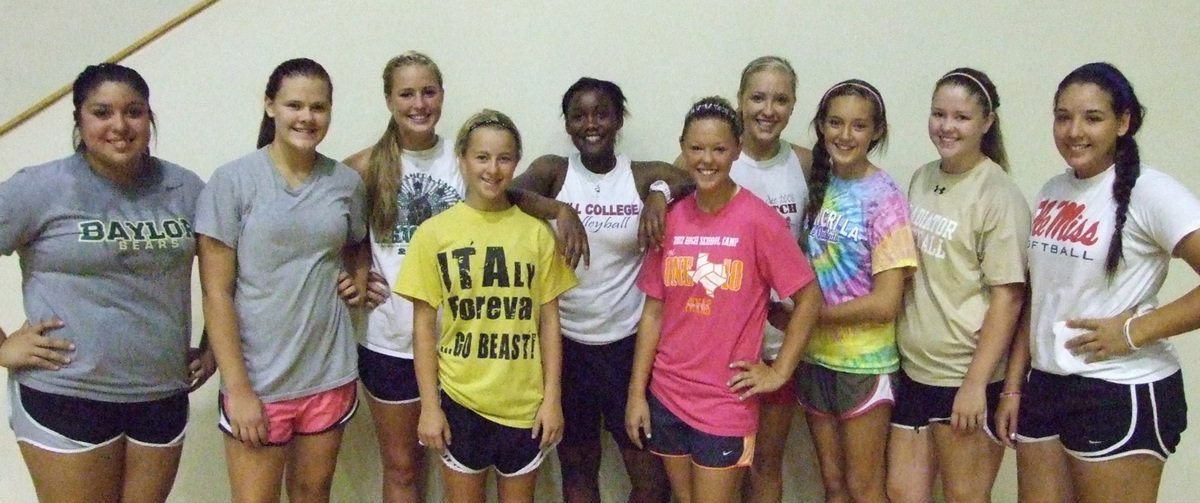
[(971, 230)]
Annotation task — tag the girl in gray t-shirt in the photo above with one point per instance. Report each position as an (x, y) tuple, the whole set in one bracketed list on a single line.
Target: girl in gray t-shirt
[(101, 369), (275, 227)]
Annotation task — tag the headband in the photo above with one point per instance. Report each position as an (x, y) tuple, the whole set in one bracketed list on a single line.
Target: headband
[(713, 106), (977, 82), (489, 123), (851, 83)]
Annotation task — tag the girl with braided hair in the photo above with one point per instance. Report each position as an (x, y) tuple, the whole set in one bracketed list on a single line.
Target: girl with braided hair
[(962, 305), (1103, 406), (862, 249)]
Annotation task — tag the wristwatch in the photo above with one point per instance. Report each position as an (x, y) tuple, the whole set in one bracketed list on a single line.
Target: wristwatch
[(662, 188)]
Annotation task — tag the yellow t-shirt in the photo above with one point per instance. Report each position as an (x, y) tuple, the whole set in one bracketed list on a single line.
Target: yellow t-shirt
[(490, 272)]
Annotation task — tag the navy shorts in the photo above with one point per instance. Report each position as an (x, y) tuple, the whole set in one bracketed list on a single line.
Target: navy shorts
[(67, 424), (387, 379), (595, 387), (478, 443), (1098, 420), (918, 405), (670, 436)]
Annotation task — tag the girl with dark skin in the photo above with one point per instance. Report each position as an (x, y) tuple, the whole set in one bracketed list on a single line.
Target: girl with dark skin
[(599, 317)]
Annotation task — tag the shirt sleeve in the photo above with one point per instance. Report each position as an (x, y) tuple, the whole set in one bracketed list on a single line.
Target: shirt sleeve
[(420, 277), (890, 232), (650, 278), (219, 209), (1004, 238), (558, 278), (18, 212), (1166, 209)]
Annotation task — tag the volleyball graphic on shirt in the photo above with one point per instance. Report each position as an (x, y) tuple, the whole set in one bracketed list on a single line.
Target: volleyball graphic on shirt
[(710, 276)]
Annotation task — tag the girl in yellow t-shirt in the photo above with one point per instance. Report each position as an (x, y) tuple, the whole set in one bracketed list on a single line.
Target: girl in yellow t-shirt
[(497, 275)]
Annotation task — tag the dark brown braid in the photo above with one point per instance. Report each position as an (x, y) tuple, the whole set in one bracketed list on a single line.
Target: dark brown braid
[(822, 166), (1128, 167), (1127, 160)]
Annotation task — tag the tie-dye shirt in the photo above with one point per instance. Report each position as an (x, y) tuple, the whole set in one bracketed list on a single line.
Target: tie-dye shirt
[(862, 230)]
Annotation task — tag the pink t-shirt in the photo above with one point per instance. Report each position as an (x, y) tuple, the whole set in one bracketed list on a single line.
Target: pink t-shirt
[(713, 274)]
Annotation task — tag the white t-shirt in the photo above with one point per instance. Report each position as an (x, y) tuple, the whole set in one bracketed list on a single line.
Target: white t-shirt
[(431, 184), (1072, 227), (779, 182), (606, 306)]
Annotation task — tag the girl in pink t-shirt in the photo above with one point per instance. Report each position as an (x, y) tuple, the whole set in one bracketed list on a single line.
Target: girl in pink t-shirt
[(701, 330)]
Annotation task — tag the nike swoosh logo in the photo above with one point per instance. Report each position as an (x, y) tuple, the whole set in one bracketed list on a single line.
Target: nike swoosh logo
[(726, 453)]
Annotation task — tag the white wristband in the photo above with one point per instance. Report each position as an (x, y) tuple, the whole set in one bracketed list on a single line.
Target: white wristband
[(1128, 338), (661, 187)]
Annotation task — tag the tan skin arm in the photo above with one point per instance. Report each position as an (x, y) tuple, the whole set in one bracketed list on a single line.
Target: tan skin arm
[(30, 347), (879, 306), (637, 408), (1014, 380), (806, 159), (757, 377), (969, 411), (432, 428), (218, 277), (1106, 337), (548, 423), (364, 288)]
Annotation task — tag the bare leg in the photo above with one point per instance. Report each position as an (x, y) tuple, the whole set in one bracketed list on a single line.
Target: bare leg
[(679, 472), (403, 458), (969, 463), (1043, 475), (864, 443), (579, 461), (647, 477), (1129, 479), (310, 465), (826, 433), (911, 465), (517, 489), (255, 473), (766, 474), (92, 476), (717, 485), (149, 472), (463, 487)]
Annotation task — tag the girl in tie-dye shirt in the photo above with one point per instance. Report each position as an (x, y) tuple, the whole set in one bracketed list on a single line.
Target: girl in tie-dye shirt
[(861, 248)]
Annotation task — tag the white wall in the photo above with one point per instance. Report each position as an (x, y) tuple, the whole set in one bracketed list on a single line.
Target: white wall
[(94, 34), (207, 79)]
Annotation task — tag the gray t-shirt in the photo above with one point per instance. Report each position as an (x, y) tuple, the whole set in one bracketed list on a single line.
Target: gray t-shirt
[(295, 332), (114, 263)]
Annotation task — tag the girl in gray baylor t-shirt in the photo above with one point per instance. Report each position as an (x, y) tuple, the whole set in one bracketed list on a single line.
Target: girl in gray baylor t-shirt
[(114, 263)]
